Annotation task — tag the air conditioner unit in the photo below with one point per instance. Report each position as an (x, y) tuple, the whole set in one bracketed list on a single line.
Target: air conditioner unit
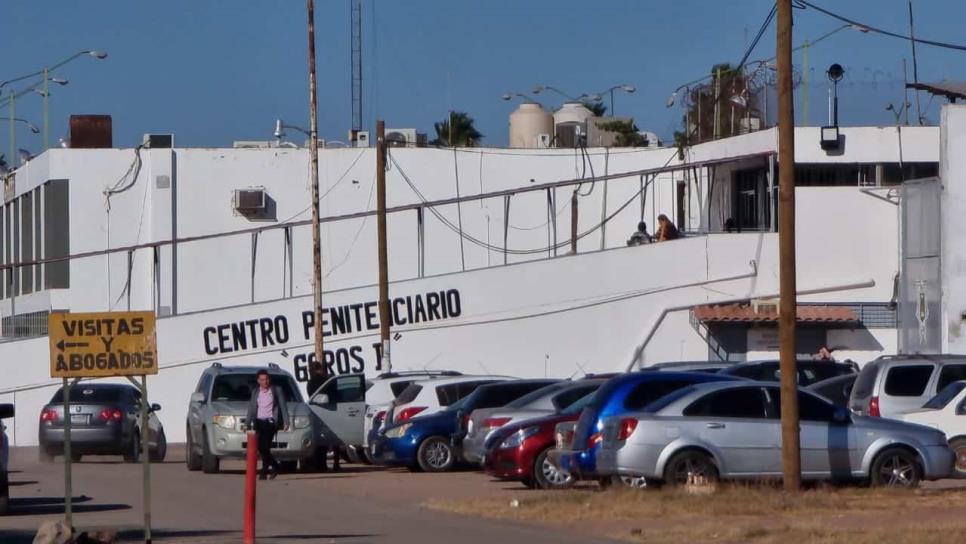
[(250, 200), (543, 140), (362, 138), (401, 137)]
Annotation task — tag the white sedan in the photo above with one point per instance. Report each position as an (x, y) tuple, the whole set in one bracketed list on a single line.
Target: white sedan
[(946, 412)]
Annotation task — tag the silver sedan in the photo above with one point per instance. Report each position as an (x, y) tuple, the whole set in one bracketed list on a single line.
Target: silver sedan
[(732, 430)]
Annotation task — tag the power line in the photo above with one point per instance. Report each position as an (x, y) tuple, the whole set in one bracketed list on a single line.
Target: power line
[(864, 26)]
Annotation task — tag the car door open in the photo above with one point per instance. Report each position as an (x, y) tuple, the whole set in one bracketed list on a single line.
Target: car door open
[(340, 404)]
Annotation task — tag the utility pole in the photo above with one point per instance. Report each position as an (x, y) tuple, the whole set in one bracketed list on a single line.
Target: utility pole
[(915, 63), (314, 176), (791, 454), (384, 316)]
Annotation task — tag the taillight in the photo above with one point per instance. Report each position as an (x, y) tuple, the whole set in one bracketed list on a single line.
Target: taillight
[(48, 415), (379, 417), (874, 407), (495, 421), (627, 426), (594, 439), (410, 412), (111, 414)]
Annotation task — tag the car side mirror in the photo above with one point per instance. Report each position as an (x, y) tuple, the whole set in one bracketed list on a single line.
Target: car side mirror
[(197, 397), (320, 398), (6, 410), (155, 407), (841, 416)]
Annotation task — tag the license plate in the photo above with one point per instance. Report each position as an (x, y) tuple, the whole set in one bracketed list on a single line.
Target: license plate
[(78, 419)]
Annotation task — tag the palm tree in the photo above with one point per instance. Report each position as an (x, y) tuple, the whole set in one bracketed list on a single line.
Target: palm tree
[(464, 133), (595, 106)]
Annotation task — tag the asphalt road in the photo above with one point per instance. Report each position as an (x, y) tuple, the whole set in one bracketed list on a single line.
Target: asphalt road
[(360, 504)]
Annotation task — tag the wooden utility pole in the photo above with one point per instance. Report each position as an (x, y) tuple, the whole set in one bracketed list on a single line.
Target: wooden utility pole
[(314, 176), (791, 456), (384, 316)]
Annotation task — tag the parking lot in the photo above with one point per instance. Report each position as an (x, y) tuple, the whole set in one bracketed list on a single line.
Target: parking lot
[(358, 504)]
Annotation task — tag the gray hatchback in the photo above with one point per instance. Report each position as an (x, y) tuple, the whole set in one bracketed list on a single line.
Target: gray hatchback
[(217, 426), (733, 430)]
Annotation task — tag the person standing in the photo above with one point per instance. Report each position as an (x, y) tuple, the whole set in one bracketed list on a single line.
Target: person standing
[(269, 412)]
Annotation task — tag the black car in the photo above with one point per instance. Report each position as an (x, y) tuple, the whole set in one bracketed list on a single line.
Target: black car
[(809, 371), (837, 389), (104, 420), (6, 411)]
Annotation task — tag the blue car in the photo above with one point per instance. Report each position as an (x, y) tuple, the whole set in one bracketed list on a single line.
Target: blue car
[(426, 442), (619, 395)]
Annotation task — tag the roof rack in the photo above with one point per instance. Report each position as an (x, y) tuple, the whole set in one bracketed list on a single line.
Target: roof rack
[(216, 365), (273, 365), (401, 373)]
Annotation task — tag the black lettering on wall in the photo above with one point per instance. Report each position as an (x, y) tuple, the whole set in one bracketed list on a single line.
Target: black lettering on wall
[(371, 317), (208, 333), (432, 304)]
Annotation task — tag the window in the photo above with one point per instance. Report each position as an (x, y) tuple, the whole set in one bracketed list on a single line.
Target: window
[(945, 395), (501, 394), (81, 393), (766, 372), (348, 389), (647, 392), (569, 396), (410, 393), (866, 380), (809, 372), (398, 387), (908, 381), (204, 385), (536, 395), (949, 374), (57, 233), (810, 407), (239, 387), (744, 402)]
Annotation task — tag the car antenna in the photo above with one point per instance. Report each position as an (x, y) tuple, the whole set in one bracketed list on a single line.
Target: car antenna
[(487, 370)]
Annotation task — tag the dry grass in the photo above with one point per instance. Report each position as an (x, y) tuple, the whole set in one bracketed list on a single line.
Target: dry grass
[(735, 513)]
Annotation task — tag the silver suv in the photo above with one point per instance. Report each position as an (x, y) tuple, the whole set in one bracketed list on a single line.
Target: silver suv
[(896, 384), (216, 426)]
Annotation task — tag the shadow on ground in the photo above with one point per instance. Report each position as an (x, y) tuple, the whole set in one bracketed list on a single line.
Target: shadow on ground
[(43, 506)]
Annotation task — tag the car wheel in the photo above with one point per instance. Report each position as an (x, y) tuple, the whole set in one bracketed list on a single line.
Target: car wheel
[(4, 500), (435, 455), (44, 456), (209, 463), (690, 467), (191, 458), (547, 476), (958, 445), (133, 452), (896, 467), (75, 457), (365, 455), (160, 450)]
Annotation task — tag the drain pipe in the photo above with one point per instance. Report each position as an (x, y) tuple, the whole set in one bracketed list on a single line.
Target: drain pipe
[(635, 360)]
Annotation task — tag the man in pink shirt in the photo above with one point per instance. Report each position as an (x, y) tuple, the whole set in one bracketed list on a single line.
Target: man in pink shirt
[(267, 414)]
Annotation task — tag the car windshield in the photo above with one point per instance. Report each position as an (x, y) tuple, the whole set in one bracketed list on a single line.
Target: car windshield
[(943, 397), (535, 395), (579, 406), (664, 401), (239, 387)]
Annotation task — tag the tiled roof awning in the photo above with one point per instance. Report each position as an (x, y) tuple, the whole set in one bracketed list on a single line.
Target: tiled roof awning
[(746, 313)]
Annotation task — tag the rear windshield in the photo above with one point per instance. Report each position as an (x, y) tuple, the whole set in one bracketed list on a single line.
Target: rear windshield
[(578, 406), (239, 387), (865, 383), (645, 393), (448, 395), (535, 395), (908, 381), (90, 394), (943, 397), (398, 387), (666, 400), (501, 394), (409, 394)]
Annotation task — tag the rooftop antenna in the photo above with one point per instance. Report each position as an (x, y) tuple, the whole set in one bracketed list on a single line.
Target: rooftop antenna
[(915, 64), (356, 61)]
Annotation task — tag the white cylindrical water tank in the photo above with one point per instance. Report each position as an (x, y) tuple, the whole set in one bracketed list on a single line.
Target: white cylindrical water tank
[(530, 126), (572, 112)]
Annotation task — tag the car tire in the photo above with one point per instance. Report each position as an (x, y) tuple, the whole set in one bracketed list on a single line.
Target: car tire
[(895, 467), (547, 476), (366, 456), (133, 452), (160, 451), (435, 454), (958, 445), (192, 459), (44, 456), (690, 466), (4, 494), (209, 463)]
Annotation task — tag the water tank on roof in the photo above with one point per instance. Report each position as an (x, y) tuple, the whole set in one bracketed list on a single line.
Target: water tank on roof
[(570, 124), (572, 112), (530, 126)]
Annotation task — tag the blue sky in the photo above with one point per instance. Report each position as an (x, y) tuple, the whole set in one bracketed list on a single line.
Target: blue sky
[(214, 71)]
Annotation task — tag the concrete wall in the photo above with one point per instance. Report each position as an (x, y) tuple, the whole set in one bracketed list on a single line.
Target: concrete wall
[(952, 171)]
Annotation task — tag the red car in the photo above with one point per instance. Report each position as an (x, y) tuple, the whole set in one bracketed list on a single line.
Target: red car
[(519, 451)]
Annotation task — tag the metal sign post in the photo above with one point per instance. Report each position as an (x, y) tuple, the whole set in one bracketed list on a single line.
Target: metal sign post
[(106, 344)]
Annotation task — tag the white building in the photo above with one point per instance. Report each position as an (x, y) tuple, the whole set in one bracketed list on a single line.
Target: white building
[(480, 260)]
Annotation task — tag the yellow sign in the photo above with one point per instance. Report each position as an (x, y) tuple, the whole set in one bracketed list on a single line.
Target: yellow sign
[(96, 345)]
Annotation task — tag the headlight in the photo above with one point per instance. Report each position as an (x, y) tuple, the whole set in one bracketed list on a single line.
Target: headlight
[(517, 438), (301, 422), (226, 422), (396, 432)]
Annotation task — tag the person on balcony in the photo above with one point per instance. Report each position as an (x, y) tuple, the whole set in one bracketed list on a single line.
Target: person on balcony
[(666, 230), (640, 236)]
